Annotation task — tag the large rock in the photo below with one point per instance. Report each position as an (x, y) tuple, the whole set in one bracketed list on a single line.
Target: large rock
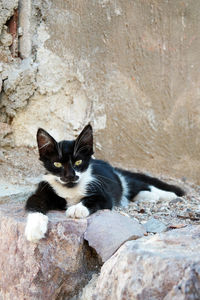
[(57, 267), (165, 266), (91, 62), (108, 230)]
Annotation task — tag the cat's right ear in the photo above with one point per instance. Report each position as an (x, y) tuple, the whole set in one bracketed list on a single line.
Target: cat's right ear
[(46, 143)]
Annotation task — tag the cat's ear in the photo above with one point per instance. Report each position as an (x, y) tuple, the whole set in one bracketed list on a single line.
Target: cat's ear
[(84, 142), (46, 143)]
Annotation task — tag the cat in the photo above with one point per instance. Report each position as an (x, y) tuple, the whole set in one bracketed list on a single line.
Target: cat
[(81, 185)]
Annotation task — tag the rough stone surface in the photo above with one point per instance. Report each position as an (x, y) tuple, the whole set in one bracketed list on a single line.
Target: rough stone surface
[(165, 266), (108, 230), (5, 134), (20, 173), (0, 83), (6, 11), (10, 192), (131, 68), (155, 226), (55, 268), (17, 77), (18, 88), (25, 39), (150, 53), (88, 290)]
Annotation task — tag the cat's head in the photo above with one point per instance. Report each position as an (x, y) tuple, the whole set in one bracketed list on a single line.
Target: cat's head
[(66, 160)]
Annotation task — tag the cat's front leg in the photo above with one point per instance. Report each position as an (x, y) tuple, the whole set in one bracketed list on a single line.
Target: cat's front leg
[(77, 211), (43, 200), (36, 226), (89, 205)]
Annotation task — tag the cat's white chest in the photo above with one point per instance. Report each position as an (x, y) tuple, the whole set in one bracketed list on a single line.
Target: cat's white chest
[(71, 195)]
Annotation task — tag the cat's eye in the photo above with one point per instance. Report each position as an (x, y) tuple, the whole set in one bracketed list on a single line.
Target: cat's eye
[(78, 162), (57, 164)]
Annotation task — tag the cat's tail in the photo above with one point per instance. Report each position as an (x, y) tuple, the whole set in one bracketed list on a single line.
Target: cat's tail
[(151, 181)]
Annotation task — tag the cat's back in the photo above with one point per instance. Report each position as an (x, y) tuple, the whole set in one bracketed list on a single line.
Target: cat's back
[(101, 167)]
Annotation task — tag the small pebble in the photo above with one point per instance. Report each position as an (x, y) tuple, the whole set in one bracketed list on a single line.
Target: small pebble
[(155, 226)]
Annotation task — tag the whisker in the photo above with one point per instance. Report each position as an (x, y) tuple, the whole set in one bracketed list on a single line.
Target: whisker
[(97, 183), (44, 186)]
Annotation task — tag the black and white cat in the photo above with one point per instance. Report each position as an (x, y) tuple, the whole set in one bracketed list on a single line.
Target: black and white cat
[(81, 185)]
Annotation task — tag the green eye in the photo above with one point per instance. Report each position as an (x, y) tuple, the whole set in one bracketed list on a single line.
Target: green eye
[(78, 162), (57, 164)]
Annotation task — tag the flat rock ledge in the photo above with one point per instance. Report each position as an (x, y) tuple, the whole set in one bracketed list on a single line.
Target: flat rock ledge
[(55, 268), (62, 263), (165, 266), (108, 230)]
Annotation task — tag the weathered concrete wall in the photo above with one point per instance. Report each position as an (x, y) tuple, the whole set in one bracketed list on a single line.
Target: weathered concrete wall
[(129, 67)]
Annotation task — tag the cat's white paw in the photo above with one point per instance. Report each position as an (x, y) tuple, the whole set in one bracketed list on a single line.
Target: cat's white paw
[(36, 226), (78, 211)]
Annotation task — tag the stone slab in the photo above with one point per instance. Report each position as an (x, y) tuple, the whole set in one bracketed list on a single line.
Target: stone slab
[(55, 267), (108, 230)]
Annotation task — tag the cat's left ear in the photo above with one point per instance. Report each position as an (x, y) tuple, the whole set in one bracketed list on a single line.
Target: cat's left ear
[(84, 142), (46, 143)]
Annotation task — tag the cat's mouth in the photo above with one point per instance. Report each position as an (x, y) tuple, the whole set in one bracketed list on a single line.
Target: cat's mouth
[(70, 183)]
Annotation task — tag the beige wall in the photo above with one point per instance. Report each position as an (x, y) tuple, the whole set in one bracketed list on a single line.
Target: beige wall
[(132, 68)]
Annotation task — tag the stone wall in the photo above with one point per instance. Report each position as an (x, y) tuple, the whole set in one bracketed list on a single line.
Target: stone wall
[(131, 68)]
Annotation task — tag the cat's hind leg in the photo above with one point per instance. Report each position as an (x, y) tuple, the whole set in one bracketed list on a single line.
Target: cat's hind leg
[(163, 195), (155, 195), (147, 196)]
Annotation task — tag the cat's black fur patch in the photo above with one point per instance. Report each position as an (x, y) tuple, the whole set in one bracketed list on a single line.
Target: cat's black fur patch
[(105, 191), (45, 199)]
